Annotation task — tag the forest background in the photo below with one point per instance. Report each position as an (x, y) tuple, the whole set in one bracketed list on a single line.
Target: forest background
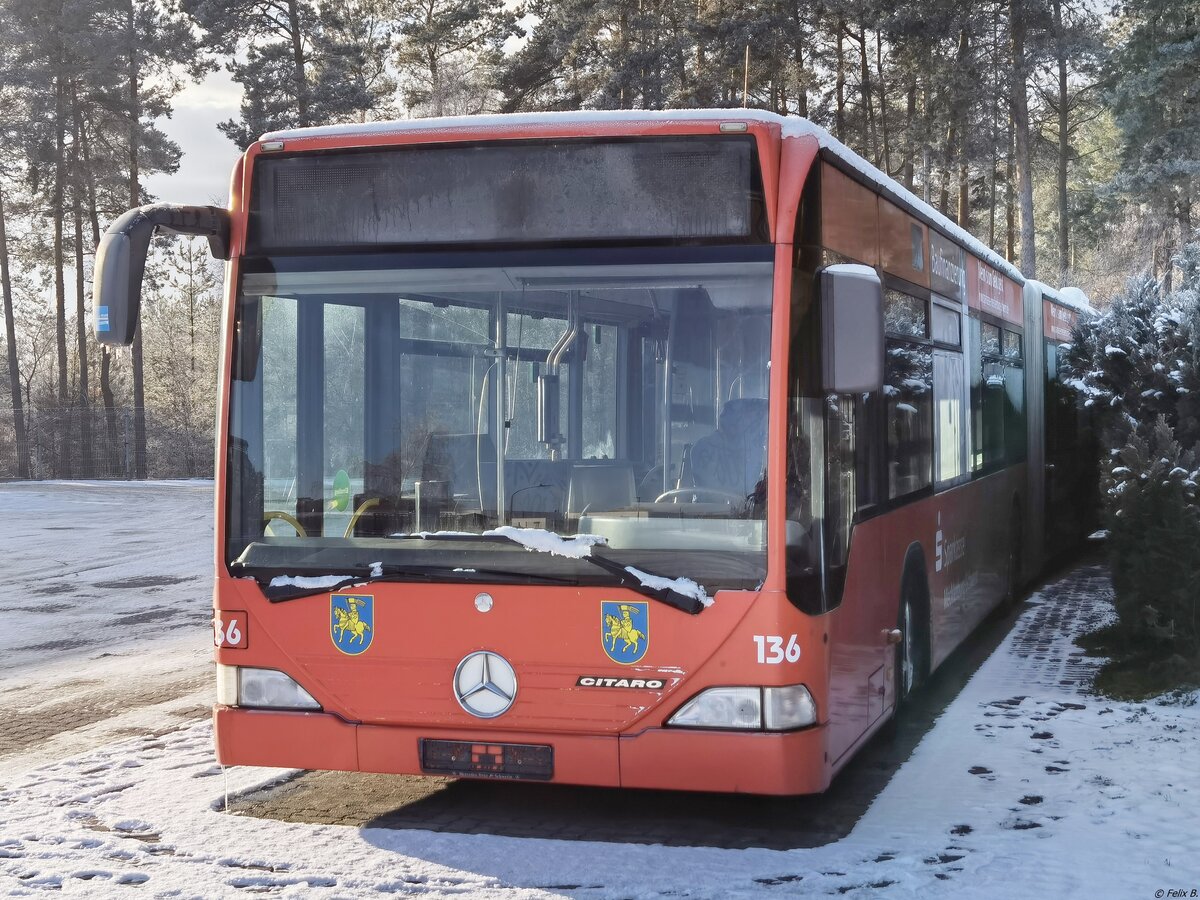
[(1063, 133)]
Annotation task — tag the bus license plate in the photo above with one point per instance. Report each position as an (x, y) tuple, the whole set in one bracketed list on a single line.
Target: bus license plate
[(487, 760)]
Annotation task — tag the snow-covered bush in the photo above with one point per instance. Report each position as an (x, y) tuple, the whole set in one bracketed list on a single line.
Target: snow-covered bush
[(1139, 361), (1138, 368), (1153, 511)]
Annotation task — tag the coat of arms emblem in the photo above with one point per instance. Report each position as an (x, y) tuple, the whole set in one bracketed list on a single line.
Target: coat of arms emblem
[(625, 631), (351, 622)]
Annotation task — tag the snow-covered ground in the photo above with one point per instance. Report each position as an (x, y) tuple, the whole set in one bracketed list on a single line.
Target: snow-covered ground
[(105, 599), (1027, 786)]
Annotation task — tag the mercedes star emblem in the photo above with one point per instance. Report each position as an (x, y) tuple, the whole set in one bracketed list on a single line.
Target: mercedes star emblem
[(485, 685)]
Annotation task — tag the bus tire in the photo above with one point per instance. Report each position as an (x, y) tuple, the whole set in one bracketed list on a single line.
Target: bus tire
[(911, 660), (1016, 547)]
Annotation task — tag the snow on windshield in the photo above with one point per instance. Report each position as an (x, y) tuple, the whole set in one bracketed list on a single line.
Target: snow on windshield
[(308, 582), (684, 586), (541, 541)]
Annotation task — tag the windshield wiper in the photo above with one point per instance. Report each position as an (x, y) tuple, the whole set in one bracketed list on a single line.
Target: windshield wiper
[(299, 586), (665, 593)]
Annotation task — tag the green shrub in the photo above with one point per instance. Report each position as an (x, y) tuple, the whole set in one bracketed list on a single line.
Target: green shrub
[(1138, 368), (1153, 515)]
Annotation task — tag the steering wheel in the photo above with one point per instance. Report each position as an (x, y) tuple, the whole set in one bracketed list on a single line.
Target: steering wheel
[(286, 517), (366, 504), (676, 496)]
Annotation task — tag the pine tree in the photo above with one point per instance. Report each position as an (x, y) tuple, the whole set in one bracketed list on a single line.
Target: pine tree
[(447, 50), (305, 63), (1156, 100)]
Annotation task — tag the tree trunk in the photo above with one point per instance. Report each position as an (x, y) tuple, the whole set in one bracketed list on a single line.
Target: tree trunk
[(944, 193), (299, 81), (910, 115), (870, 139), (135, 193), (840, 120), (1010, 195), (964, 139), (992, 180), (964, 173), (883, 105), (10, 334), (435, 86), (801, 75), (63, 437), (85, 424), (993, 175), (956, 136), (1020, 116), (1064, 147)]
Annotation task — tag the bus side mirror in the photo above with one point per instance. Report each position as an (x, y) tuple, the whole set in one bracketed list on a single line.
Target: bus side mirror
[(851, 329), (121, 261)]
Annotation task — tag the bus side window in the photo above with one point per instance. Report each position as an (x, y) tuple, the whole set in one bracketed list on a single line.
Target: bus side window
[(908, 394), (997, 396), (949, 396)]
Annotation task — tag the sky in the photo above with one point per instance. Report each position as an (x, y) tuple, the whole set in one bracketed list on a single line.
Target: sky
[(208, 156)]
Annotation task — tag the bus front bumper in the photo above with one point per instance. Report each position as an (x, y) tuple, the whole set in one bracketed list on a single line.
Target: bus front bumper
[(656, 758)]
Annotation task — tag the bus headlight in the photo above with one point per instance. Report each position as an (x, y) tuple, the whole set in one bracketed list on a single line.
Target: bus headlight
[(748, 709), (261, 688), (722, 707)]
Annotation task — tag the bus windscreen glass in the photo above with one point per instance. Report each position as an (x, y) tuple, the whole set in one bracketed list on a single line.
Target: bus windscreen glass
[(622, 400)]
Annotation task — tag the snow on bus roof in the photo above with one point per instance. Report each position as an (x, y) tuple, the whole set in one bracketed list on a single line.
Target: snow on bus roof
[(1073, 296), (791, 126), (1066, 296)]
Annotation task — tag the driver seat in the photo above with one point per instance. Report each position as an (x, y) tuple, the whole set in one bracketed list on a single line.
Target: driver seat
[(732, 458)]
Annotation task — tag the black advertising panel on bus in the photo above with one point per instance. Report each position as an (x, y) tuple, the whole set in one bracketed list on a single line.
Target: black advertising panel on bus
[(948, 271), (696, 189)]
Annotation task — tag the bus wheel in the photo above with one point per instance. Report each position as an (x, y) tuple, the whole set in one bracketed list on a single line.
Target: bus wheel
[(912, 653), (1015, 548)]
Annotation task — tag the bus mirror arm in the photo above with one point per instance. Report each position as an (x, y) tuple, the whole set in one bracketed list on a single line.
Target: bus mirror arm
[(121, 260), (851, 322)]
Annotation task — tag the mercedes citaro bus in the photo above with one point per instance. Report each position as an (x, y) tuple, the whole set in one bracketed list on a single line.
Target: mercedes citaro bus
[(659, 450)]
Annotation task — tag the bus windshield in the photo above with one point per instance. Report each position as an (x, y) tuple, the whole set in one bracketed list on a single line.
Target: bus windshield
[(374, 400)]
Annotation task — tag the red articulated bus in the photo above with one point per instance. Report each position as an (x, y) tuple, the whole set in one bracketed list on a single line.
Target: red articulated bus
[(660, 450)]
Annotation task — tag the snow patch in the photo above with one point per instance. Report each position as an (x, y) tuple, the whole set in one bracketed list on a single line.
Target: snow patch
[(541, 541), (308, 582), (434, 535), (683, 586)]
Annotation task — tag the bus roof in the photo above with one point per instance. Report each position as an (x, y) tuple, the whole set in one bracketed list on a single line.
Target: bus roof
[(791, 126)]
